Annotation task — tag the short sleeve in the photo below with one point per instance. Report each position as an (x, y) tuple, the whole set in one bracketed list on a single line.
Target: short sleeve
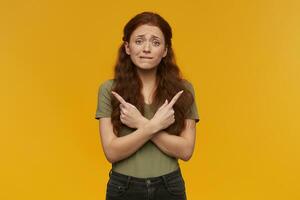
[(192, 112), (104, 108)]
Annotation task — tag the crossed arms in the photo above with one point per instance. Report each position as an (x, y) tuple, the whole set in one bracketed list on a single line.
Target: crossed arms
[(118, 148)]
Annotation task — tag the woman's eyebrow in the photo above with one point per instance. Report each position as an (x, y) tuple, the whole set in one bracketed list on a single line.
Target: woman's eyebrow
[(153, 36)]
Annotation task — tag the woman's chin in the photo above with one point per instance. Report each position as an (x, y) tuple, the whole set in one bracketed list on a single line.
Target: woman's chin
[(146, 67)]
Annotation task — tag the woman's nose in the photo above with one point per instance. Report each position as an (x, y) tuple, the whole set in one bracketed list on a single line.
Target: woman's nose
[(147, 46)]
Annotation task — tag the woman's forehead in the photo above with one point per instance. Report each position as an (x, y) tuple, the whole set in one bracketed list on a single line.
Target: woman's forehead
[(147, 30)]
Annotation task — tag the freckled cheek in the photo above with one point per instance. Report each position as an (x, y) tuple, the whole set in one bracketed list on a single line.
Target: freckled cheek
[(159, 53), (137, 51)]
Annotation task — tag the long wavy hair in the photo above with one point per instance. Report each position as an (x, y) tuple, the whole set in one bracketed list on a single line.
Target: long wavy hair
[(169, 78)]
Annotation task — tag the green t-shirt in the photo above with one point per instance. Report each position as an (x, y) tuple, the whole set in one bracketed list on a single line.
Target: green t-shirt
[(149, 160)]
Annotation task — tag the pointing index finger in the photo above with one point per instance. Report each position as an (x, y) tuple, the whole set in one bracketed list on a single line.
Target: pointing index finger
[(120, 99), (175, 98)]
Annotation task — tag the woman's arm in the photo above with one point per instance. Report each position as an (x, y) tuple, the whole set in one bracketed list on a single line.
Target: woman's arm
[(117, 148), (181, 146)]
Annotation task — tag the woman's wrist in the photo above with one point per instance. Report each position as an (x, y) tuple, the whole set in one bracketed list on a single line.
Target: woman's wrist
[(148, 126), (142, 122)]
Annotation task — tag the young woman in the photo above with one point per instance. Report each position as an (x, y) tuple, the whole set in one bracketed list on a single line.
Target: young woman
[(147, 115)]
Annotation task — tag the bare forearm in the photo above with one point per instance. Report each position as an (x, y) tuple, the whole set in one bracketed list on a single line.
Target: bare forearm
[(172, 145), (122, 147)]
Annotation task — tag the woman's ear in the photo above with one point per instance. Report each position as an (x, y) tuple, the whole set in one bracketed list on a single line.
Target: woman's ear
[(166, 51), (126, 45)]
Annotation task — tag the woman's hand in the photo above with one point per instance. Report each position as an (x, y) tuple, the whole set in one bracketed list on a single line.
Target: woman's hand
[(130, 115), (164, 116)]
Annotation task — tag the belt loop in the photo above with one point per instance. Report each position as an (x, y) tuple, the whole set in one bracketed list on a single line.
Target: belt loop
[(165, 180), (128, 180)]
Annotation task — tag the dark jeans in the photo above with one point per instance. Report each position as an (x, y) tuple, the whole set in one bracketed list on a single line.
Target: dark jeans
[(170, 186)]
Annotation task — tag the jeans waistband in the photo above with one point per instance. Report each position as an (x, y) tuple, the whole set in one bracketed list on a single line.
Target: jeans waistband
[(127, 178)]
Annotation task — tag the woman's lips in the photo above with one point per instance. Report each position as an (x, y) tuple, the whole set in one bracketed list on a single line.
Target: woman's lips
[(144, 57)]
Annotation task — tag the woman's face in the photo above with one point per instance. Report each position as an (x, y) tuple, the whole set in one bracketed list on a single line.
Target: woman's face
[(146, 46)]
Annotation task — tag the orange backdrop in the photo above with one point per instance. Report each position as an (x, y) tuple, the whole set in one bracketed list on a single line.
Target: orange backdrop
[(241, 56)]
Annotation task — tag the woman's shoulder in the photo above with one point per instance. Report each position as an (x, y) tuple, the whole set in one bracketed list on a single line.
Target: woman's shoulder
[(187, 84), (107, 84)]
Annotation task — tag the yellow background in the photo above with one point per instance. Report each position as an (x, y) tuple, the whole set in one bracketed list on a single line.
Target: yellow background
[(241, 56)]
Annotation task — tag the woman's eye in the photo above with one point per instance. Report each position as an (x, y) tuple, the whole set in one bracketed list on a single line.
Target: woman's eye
[(138, 41), (156, 43)]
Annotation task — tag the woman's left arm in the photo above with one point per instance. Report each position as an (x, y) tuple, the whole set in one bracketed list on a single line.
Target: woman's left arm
[(181, 146)]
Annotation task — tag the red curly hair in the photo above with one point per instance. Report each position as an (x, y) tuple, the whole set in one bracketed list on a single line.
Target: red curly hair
[(169, 79)]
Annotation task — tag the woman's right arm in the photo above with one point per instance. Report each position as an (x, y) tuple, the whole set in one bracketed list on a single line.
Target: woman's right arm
[(118, 148)]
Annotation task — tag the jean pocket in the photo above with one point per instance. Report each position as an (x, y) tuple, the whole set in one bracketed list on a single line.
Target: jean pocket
[(176, 185), (116, 188)]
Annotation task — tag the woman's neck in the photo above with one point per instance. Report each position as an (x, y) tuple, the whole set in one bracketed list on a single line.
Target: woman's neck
[(148, 77)]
